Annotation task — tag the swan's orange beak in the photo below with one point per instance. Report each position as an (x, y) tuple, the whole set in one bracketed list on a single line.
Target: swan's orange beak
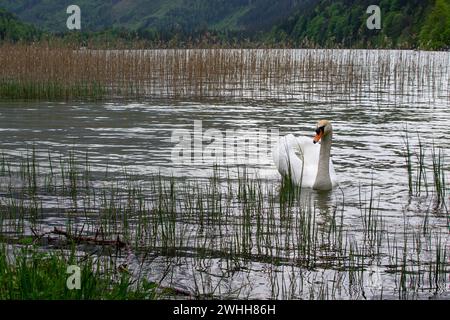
[(318, 136)]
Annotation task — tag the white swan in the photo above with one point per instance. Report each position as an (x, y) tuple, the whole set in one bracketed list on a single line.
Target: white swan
[(308, 164)]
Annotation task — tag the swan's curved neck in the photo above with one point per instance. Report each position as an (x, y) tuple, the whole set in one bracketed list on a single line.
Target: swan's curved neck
[(323, 180)]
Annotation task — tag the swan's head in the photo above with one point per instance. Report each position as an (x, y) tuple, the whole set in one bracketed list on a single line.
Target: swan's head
[(323, 129)]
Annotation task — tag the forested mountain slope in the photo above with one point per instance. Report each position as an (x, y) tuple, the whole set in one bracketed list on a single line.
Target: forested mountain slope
[(323, 23)]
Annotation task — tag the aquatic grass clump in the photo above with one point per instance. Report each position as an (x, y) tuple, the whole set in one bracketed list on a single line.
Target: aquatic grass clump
[(419, 170), (50, 90), (439, 174), (28, 273)]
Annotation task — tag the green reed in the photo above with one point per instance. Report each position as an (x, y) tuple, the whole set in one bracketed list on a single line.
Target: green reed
[(54, 72), (50, 90), (417, 171), (33, 274), (438, 174)]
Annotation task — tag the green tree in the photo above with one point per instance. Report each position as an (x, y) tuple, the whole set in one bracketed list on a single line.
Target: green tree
[(11, 29), (435, 32)]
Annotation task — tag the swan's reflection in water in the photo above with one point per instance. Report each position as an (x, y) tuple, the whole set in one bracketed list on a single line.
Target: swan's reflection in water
[(323, 203)]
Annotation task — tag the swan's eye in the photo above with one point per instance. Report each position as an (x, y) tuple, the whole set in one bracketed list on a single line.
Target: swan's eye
[(318, 130)]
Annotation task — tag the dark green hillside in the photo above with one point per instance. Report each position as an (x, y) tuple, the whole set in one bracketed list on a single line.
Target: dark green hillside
[(11, 29), (405, 23), (160, 15), (319, 23)]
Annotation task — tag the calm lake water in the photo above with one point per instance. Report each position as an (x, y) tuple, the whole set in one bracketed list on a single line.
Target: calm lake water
[(368, 147)]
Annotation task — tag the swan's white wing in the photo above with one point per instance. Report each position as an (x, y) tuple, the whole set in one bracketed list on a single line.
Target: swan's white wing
[(297, 157), (311, 151), (285, 157), (311, 154)]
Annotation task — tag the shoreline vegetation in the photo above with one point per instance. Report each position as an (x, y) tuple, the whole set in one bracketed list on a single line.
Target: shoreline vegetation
[(30, 273), (55, 72)]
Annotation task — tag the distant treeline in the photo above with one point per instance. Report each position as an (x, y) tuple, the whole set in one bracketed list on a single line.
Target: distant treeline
[(405, 24), (11, 29), (421, 24)]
